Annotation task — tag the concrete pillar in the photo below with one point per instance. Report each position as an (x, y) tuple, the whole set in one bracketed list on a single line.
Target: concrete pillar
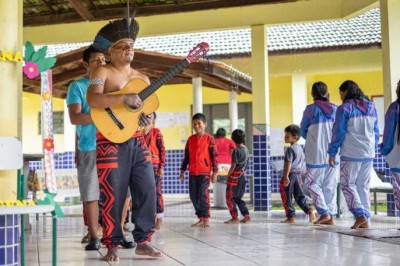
[(233, 110), (390, 21), (299, 96), (261, 120), (10, 119), (197, 95), (10, 86)]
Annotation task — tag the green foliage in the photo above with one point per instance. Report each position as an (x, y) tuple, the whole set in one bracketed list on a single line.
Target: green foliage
[(41, 53), (29, 51), (45, 63), (38, 57)]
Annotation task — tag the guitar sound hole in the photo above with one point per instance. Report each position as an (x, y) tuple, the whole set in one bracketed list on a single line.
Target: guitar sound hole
[(133, 110)]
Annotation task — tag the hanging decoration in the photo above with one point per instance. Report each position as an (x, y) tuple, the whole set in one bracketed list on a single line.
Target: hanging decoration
[(37, 63)]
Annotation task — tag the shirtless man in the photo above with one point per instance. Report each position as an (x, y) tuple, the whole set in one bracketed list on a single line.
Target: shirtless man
[(128, 163)]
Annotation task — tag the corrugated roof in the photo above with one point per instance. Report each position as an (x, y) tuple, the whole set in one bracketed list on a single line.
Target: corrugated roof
[(362, 30)]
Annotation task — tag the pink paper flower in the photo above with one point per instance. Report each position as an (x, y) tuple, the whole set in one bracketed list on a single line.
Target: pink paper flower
[(31, 70)]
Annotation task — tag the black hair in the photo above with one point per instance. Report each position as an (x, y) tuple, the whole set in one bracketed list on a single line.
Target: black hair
[(353, 91), (238, 136), (155, 115), (294, 130), (199, 116), (220, 133), (319, 91), (88, 52)]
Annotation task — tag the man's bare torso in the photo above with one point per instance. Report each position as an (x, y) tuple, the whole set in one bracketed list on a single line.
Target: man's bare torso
[(116, 80)]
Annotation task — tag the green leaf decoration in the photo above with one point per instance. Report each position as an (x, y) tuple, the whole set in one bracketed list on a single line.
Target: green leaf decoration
[(41, 53), (46, 63), (49, 199), (29, 51)]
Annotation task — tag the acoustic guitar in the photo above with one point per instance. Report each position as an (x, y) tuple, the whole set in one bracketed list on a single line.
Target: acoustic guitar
[(119, 122)]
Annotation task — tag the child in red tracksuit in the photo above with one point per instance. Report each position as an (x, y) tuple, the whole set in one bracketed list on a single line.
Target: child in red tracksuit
[(201, 156), (155, 144)]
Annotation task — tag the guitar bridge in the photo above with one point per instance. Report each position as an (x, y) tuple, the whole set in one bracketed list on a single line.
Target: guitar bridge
[(114, 118)]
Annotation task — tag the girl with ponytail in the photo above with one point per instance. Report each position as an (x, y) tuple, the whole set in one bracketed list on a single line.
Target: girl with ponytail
[(355, 132)]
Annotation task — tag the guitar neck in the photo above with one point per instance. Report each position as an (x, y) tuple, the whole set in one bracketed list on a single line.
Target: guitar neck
[(163, 79)]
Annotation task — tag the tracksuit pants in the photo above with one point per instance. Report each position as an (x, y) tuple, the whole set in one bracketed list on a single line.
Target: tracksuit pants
[(354, 181), (121, 166), (159, 199), (396, 188), (235, 189), (198, 191), (321, 184), (293, 190)]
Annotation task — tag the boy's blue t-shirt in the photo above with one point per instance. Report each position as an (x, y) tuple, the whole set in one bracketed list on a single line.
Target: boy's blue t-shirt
[(86, 133)]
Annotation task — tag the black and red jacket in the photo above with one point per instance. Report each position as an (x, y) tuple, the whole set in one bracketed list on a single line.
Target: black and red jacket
[(155, 144), (201, 155)]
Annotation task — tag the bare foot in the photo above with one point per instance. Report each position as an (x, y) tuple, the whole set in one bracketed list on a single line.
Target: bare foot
[(311, 216), (323, 218), (198, 224), (329, 222), (360, 220), (147, 249), (289, 220), (112, 255), (232, 221), (158, 224), (205, 224), (365, 225), (245, 219)]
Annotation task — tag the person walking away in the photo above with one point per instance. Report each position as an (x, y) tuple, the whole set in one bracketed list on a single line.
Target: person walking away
[(316, 128), (356, 134)]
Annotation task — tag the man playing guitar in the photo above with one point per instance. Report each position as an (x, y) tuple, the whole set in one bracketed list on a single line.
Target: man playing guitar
[(127, 164)]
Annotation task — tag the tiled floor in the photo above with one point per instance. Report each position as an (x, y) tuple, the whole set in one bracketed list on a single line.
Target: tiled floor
[(262, 242)]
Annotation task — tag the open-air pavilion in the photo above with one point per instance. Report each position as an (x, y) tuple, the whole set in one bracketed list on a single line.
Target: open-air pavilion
[(245, 76)]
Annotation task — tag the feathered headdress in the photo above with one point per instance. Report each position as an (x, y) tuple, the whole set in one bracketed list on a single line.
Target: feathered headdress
[(115, 31)]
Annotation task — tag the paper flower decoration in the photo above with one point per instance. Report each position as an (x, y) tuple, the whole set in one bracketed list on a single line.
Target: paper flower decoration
[(40, 195), (31, 70), (36, 60), (46, 96), (48, 144)]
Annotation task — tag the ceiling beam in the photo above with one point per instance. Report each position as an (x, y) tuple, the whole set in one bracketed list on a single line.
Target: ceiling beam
[(144, 10), (49, 7), (81, 10), (70, 57)]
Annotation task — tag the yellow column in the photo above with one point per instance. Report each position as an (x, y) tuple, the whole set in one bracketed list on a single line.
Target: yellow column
[(259, 70), (390, 21), (261, 121), (10, 86)]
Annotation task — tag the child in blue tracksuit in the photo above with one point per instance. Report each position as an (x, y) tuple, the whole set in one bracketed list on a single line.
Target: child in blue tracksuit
[(391, 144), (356, 133), (316, 129)]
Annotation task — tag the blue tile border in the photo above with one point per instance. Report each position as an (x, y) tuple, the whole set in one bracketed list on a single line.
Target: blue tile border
[(9, 239)]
